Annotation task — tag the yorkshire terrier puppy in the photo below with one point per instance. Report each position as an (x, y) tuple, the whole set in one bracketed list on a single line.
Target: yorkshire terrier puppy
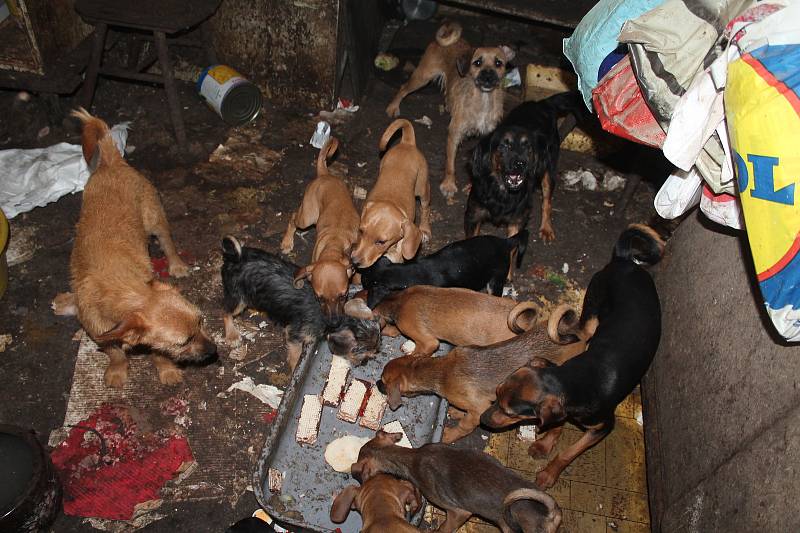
[(263, 281)]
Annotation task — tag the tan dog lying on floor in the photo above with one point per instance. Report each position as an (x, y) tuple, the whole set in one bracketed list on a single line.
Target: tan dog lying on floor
[(387, 220), (472, 82), (468, 376), (461, 317), (114, 295), (383, 502), (328, 205)]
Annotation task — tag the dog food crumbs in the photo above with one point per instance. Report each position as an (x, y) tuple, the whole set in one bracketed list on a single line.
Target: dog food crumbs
[(262, 324), (408, 347), (565, 268), (275, 478), (202, 406), (425, 121), (397, 427), (509, 290), (613, 182), (361, 164), (359, 193), (5, 340), (386, 61), (310, 415)]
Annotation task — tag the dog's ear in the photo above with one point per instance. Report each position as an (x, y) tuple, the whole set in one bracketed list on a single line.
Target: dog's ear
[(357, 308), (508, 51), (301, 274), (540, 362), (462, 63), (551, 409), (346, 263), (393, 396), (412, 238), (344, 502), (363, 469), (387, 439), (128, 331)]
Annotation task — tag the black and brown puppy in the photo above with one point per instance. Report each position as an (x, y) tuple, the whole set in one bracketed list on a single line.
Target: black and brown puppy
[(468, 376), (264, 281), (586, 389), (384, 503), (480, 263), (447, 477), (508, 164)]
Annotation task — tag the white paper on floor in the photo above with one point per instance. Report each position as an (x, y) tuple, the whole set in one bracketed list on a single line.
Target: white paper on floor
[(36, 177)]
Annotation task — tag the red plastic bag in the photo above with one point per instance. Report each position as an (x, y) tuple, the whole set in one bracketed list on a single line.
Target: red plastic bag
[(621, 108)]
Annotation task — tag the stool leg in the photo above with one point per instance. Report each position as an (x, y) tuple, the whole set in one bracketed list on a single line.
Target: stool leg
[(172, 92), (90, 80)]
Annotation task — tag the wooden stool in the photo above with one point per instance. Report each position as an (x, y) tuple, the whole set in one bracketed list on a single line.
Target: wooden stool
[(159, 17)]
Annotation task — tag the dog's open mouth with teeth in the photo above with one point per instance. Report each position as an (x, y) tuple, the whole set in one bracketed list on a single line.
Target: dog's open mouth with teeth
[(514, 181)]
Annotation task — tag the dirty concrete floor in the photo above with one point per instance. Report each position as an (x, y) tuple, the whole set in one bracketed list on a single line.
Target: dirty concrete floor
[(248, 190)]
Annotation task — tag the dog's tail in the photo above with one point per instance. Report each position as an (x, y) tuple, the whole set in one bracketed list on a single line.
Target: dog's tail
[(519, 242), (517, 311), (231, 249), (550, 521), (448, 33), (408, 133), (564, 327), (639, 243), (98, 146), (327, 152)]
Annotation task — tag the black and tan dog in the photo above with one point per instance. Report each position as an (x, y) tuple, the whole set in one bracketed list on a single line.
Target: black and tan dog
[(260, 280), (508, 164), (471, 78), (468, 376), (586, 389), (463, 483)]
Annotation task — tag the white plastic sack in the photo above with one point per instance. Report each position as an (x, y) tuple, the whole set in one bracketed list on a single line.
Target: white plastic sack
[(679, 193), (36, 177), (721, 208)]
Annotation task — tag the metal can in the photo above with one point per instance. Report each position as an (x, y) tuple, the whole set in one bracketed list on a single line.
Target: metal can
[(235, 98)]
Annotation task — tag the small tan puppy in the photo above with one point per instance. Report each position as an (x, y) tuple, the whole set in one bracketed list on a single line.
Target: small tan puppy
[(114, 295), (460, 317), (383, 502), (471, 78), (328, 205), (387, 220)]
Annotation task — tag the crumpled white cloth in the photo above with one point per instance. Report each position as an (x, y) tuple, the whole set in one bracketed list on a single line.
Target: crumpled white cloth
[(36, 177)]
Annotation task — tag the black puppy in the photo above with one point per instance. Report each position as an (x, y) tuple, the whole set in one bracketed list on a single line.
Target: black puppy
[(264, 281), (508, 163), (586, 389), (478, 263)]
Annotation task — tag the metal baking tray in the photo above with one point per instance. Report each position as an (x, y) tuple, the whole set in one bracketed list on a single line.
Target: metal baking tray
[(309, 484)]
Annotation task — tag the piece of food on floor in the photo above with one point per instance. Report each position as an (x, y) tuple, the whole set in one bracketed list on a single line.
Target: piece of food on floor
[(408, 347), (373, 412), (275, 480), (337, 379), (397, 427), (353, 400), (527, 433), (341, 453), (310, 415)]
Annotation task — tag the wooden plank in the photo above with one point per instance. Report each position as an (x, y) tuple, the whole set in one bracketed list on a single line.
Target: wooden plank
[(562, 13)]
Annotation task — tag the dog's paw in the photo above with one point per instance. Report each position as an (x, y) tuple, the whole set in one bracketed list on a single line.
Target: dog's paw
[(426, 234), (116, 376), (233, 338), (64, 304), (393, 110), (448, 188), (547, 234), (545, 479), (539, 450), (178, 269), (287, 247), (450, 434), (170, 376)]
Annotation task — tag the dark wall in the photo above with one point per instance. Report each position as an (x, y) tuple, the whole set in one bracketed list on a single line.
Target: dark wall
[(722, 398)]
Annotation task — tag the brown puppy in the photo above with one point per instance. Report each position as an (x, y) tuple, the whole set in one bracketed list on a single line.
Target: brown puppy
[(471, 79), (468, 376), (463, 483), (326, 203), (460, 317), (117, 301), (383, 501), (387, 221)]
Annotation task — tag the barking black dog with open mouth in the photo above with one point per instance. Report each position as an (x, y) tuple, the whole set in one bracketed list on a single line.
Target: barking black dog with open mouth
[(508, 163)]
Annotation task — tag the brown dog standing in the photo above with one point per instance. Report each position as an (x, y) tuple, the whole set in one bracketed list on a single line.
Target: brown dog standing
[(383, 501), (387, 220), (117, 301), (328, 205), (471, 78), (463, 483), (468, 376), (460, 317)]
